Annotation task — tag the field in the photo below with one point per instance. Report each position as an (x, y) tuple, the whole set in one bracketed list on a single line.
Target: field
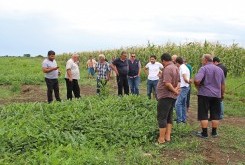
[(110, 129)]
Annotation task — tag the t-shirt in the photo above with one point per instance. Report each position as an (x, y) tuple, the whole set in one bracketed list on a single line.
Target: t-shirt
[(211, 77), (70, 64), (184, 70), (50, 64), (153, 69), (122, 66), (170, 74)]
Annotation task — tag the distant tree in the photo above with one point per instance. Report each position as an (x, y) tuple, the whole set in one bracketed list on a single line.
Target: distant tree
[(27, 55), (40, 56)]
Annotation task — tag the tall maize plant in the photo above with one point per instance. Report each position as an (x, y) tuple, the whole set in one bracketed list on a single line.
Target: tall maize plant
[(233, 56)]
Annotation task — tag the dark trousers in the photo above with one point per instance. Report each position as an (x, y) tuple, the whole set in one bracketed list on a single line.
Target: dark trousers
[(72, 86), (122, 82), (52, 85)]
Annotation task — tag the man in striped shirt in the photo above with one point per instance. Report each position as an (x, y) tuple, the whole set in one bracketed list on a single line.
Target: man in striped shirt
[(103, 72)]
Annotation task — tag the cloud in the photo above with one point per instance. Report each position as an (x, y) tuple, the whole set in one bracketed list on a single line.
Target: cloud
[(36, 26)]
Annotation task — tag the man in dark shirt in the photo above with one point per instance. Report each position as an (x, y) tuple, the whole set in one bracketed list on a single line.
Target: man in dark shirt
[(217, 62), (134, 74), (121, 69)]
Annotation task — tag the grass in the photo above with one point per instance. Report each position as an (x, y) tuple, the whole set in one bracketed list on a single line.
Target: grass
[(235, 97)]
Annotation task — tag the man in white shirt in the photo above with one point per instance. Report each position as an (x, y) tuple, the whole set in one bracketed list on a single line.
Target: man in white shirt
[(72, 76), (51, 70), (185, 82), (153, 68)]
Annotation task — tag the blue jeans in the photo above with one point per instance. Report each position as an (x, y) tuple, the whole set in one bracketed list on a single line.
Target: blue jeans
[(134, 84), (151, 84), (180, 104)]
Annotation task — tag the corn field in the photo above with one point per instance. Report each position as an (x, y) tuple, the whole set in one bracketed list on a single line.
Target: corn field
[(233, 56)]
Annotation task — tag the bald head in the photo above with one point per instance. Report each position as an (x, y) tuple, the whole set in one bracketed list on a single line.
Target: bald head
[(174, 58), (75, 57), (208, 57)]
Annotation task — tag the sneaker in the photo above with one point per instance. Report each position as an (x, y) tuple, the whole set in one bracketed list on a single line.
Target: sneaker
[(199, 134), (215, 135)]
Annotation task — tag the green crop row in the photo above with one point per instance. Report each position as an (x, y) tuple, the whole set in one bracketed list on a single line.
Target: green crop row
[(88, 131)]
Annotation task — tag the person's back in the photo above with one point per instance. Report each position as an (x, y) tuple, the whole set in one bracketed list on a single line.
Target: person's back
[(211, 81)]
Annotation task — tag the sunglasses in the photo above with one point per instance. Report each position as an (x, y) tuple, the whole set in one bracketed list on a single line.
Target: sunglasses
[(132, 56)]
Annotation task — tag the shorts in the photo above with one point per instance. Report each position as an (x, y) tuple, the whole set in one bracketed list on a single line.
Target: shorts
[(91, 71), (165, 111), (205, 104)]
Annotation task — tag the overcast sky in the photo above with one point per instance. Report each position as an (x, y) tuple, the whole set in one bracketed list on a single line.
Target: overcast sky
[(36, 26)]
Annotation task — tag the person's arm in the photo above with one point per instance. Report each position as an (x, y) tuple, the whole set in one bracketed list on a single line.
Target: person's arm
[(199, 77), (47, 70), (186, 79), (139, 69), (69, 74), (171, 88), (114, 68), (146, 69), (222, 91)]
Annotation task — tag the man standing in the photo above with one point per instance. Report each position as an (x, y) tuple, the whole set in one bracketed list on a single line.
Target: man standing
[(50, 68), (134, 74), (174, 58), (154, 68), (72, 76), (120, 66), (189, 93), (91, 67), (103, 72), (210, 83), (167, 92), (180, 104), (217, 62)]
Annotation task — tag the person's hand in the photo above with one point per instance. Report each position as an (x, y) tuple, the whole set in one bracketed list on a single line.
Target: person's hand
[(70, 79), (55, 68), (222, 97), (190, 81)]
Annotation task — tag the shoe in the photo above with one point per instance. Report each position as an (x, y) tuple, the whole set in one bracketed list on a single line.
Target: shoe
[(215, 135), (199, 134)]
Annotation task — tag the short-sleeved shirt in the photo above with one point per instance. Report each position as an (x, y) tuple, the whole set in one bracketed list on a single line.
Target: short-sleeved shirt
[(190, 69), (184, 70), (211, 78), (122, 66), (170, 74), (102, 69), (50, 64), (70, 64), (154, 70)]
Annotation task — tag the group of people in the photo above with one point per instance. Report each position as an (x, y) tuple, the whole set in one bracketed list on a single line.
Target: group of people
[(170, 80)]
